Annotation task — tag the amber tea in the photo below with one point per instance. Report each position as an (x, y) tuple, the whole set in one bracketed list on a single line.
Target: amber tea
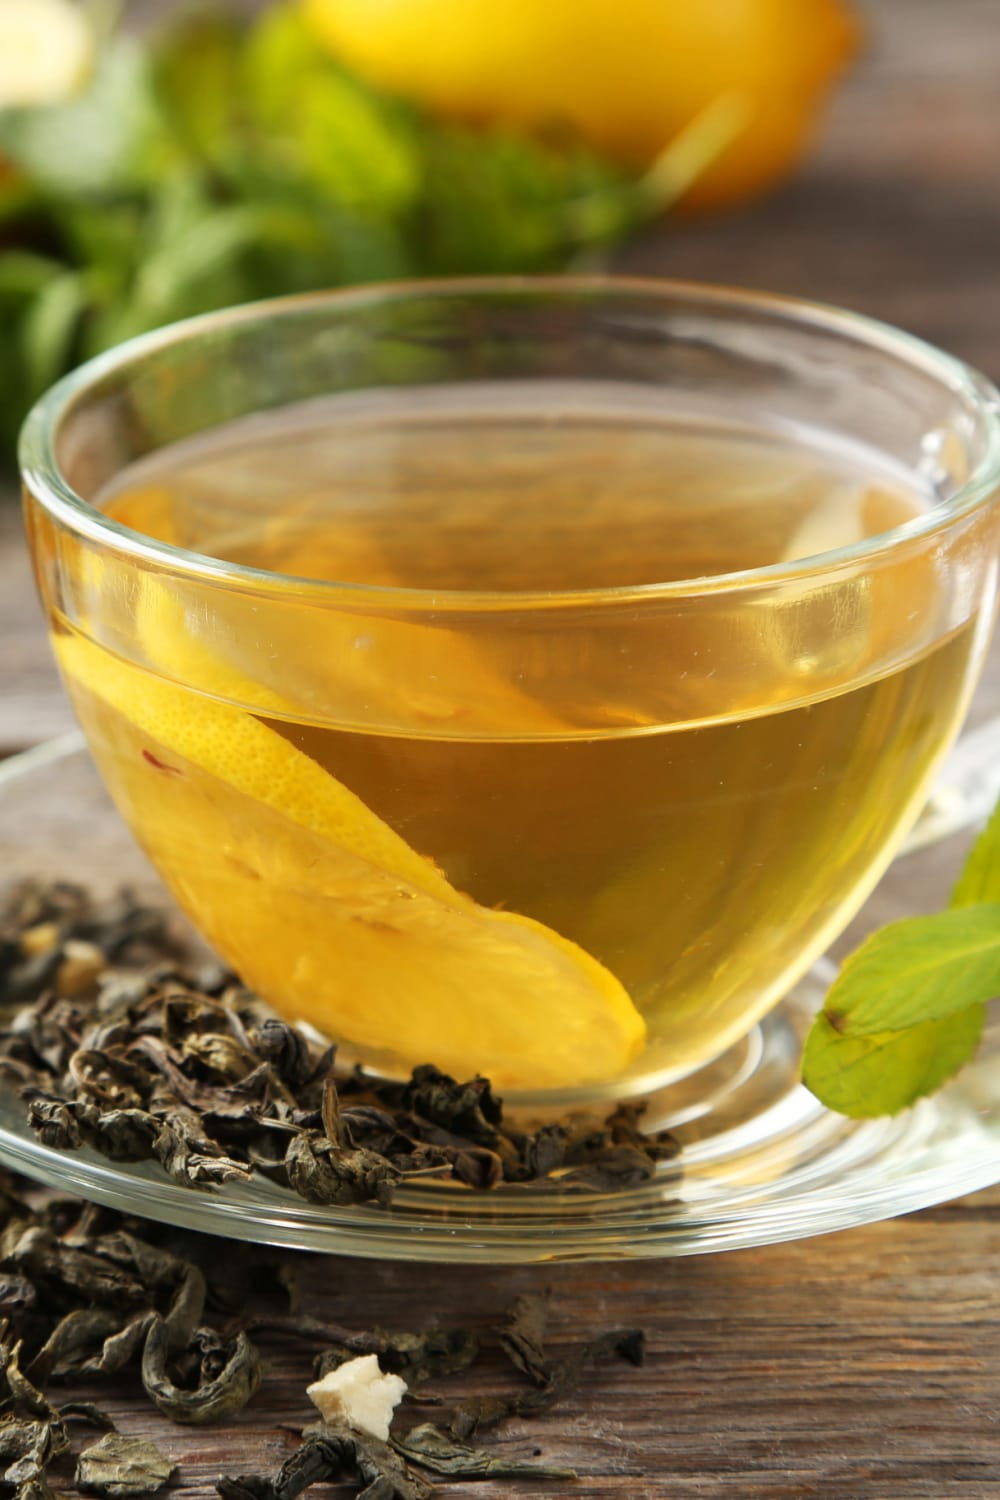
[(572, 871)]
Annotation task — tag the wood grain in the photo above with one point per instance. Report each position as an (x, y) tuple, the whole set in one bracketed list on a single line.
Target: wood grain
[(864, 1366), (860, 1366)]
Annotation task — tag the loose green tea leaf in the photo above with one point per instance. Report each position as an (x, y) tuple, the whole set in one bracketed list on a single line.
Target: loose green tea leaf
[(222, 1378), (79, 1343), (330, 1452), (87, 1412), (433, 1449), (415, 1356), (908, 1008), (191, 1071), (31, 1444), (523, 1339), (56, 1331), (122, 1468)]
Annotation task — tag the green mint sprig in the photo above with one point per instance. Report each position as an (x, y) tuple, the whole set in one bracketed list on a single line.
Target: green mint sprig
[(908, 1007), (222, 160)]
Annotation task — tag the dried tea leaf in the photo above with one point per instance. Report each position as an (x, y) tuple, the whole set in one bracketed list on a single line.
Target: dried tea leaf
[(246, 1487), (87, 1412), (17, 1295), (31, 1444), (22, 1395), (73, 1341), (415, 1356), (466, 1109), (523, 1339), (37, 1489), (65, 1269), (287, 1051), (160, 1270), (330, 1453), (325, 1172), (208, 1084), (119, 1349), (224, 1385), (433, 1449), (122, 1467), (331, 1450), (626, 1343), (476, 1413)]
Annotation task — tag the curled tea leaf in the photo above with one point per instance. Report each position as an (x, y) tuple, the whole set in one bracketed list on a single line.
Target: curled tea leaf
[(523, 1339), (72, 1343), (206, 1082), (52, 1263), (225, 1381), (326, 1172), (88, 1412), (415, 1356), (328, 1453), (433, 1449)]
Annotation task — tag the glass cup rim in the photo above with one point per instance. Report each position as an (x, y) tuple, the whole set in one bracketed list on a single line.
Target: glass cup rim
[(47, 485)]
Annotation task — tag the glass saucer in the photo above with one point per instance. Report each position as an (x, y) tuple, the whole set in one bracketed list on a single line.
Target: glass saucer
[(761, 1161)]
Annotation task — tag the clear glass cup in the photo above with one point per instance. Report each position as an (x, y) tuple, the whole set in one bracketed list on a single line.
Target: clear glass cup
[(578, 838)]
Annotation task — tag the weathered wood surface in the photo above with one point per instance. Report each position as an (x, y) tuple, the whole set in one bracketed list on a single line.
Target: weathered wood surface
[(864, 1366), (861, 1366)]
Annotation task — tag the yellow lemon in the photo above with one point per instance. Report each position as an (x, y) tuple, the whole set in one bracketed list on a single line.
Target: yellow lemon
[(325, 909), (629, 75)]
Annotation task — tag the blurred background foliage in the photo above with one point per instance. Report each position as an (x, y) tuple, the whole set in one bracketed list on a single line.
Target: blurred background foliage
[(222, 158)]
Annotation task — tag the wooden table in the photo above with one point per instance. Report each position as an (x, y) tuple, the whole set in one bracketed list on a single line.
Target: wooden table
[(865, 1364)]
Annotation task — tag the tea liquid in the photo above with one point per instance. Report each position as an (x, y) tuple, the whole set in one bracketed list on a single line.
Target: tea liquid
[(698, 808)]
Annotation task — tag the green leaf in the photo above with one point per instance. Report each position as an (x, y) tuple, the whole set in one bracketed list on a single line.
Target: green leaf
[(51, 327), (919, 969), (23, 274), (196, 76), (980, 878), (191, 262), (908, 1007), (880, 1074), (219, 160), (319, 123)]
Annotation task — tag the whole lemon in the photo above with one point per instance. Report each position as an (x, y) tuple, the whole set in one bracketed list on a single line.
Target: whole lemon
[(628, 75)]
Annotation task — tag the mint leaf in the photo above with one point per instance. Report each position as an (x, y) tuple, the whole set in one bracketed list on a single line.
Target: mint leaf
[(888, 1071), (980, 879), (919, 969), (196, 78), (51, 326), (907, 1010), (219, 160)]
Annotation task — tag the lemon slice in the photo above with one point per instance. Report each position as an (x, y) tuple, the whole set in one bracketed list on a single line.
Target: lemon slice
[(393, 672), (327, 911)]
